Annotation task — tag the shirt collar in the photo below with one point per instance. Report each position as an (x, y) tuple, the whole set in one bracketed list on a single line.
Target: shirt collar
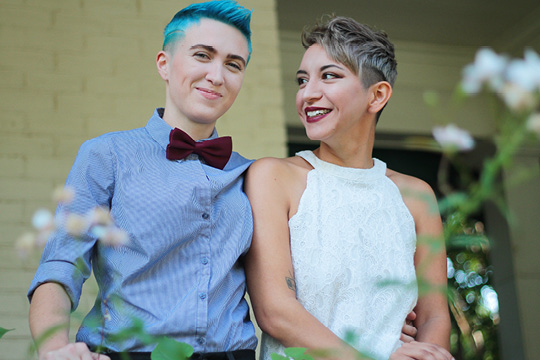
[(160, 130)]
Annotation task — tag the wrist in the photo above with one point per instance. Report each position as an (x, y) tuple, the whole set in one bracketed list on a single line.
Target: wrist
[(52, 344)]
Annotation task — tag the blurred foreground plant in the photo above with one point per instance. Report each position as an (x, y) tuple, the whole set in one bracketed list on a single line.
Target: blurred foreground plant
[(98, 223), (513, 85)]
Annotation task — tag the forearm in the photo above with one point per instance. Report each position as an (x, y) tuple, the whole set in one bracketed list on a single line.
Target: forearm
[(293, 326), (49, 317), (435, 330)]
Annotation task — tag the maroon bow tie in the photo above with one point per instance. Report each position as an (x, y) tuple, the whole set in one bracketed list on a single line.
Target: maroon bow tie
[(215, 152)]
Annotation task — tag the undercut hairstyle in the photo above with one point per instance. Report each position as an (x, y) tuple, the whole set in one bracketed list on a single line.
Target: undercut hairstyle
[(227, 11), (365, 51)]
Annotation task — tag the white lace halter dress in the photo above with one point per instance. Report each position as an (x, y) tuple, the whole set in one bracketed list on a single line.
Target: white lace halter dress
[(352, 243)]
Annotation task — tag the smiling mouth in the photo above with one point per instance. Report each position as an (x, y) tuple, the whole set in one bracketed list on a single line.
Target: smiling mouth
[(319, 112), (314, 115), (209, 94)]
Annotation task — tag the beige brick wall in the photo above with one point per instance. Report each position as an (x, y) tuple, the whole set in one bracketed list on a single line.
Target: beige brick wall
[(74, 69)]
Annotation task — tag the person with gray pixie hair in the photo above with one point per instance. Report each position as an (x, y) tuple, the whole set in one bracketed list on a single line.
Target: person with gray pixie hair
[(334, 247), (368, 53)]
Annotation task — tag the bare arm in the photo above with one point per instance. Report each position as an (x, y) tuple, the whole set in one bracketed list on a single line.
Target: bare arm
[(50, 307), (271, 185), (50, 312), (433, 320)]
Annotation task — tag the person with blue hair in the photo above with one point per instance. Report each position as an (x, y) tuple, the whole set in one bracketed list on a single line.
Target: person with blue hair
[(176, 189), (225, 11)]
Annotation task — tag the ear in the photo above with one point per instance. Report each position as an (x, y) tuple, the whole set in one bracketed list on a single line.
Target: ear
[(379, 95), (162, 62)]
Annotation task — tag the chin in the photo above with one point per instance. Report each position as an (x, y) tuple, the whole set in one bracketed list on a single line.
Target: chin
[(316, 135), (315, 138), (207, 119)]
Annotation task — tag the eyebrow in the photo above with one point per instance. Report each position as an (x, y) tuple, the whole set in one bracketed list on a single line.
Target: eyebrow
[(213, 50), (324, 67)]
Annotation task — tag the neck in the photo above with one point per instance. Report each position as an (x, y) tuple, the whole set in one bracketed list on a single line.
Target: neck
[(195, 130), (354, 150), (360, 158)]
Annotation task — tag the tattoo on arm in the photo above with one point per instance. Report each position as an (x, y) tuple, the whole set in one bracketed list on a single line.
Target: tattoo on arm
[(290, 282)]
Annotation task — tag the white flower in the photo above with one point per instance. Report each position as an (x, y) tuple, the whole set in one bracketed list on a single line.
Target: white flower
[(76, 225), (63, 195), (452, 138), (114, 236), (488, 67), (533, 123), (98, 231), (43, 220), (517, 98), (43, 236), (100, 216), (533, 59), (25, 244), (525, 73)]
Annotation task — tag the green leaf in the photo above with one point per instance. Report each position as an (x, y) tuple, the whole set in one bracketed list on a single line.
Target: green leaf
[(136, 331), (431, 98), (351, 337), (463, 241), (47, 334), (170, 349), (4, 331), (297, 353), (275, 356)]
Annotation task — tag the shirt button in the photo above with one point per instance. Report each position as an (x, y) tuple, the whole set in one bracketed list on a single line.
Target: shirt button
[(204, 260), (205, 216), (202, 296), (201, 340)]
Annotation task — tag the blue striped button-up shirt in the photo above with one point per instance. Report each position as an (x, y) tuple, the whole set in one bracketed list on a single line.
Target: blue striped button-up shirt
[(189, 225)]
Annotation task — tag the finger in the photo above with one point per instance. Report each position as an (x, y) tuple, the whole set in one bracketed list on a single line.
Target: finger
[(96, 356), (444, 354), (409, 330), (420, 350), (54, 355), (68, 352), (439, 352), (411, 316), (416, 350), (80, 351), (406, 338), (398, 356)]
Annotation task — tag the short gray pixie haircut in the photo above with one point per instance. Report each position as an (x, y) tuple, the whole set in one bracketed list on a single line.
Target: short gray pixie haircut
[(365, 51)]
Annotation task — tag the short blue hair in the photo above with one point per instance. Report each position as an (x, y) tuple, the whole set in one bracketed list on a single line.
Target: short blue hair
[(226, 11)]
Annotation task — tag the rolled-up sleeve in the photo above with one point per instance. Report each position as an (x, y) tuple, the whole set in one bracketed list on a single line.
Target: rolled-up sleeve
[(66, 259)]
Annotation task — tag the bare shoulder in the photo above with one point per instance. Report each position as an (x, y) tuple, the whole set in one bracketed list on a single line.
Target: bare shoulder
[(410, 185), (417, 195), (273, 174), (275, 169)]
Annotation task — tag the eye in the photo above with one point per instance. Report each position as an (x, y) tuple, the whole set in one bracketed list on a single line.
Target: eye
[(201, 56), (301, 81), (235, 66), (330, 76)]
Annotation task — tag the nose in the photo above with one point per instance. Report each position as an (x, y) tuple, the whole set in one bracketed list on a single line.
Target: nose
[(215, 74), (311, 92)]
